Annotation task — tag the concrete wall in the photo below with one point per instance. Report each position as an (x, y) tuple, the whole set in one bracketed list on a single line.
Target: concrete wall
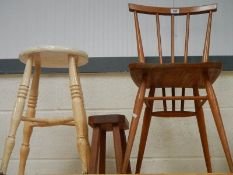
[(173, 146)]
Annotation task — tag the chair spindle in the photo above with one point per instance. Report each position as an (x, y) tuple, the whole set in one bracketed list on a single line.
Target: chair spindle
[(172, 39), (173, 101), (186, 38), (164, 101), (159, 39), (139, 39), (207, 38), (182, 101)]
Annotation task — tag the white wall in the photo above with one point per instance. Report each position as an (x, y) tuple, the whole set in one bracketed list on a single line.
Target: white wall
[(102, 28)]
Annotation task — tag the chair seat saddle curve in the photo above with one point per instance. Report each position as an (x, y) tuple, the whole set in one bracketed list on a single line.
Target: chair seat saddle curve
[(176, 77)]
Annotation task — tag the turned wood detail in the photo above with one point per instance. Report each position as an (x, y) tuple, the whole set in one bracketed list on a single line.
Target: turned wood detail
[(79, 114), (31, 112), (16, 116), (34, 57)]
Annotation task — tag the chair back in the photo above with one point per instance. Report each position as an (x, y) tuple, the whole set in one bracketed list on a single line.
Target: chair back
[(172, 13)]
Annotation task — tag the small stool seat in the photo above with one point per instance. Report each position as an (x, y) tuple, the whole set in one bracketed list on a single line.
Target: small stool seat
[(106, 122), (51, 57), (101, 124)]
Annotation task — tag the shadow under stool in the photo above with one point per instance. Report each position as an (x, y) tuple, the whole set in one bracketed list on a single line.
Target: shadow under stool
[(49, 57), (107, 123)]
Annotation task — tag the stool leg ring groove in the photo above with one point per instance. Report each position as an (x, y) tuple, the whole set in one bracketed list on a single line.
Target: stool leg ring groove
[(79, 115), (31, 112), (16, 116)]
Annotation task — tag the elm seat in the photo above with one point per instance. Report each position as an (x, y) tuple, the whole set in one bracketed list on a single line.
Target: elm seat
[(51, 57), (174, 76)]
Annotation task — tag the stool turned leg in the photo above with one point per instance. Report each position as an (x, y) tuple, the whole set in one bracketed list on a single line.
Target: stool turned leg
[(218, 122), (31, 111), (202, 131), (118, 147), (16, 116), (134, 124), (79, 115)]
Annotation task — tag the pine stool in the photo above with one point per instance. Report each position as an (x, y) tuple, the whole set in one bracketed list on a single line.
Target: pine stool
[(102, 124), (50, 57)]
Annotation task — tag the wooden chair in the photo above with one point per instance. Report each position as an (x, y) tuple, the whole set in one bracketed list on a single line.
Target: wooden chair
[(175, 76), (115, 123), (52, 57)]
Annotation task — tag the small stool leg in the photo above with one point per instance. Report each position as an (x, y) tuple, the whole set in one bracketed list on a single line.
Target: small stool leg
[(16, 116), (95, 144), (79, 115), (31, 111), (123, 142), (102, 153), (118, 147)]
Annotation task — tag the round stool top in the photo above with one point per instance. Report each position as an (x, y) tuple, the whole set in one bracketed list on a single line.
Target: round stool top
[(54, 56)]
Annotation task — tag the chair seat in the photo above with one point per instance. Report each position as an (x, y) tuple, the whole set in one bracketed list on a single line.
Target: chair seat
[(54, 56), (174, 75)]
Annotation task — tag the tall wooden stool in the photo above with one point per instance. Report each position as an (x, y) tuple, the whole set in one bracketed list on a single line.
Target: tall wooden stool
[(50, 57), (102, 124)]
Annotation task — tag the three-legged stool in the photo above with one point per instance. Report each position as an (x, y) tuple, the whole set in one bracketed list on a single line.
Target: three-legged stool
[(52, 57), (102, 124)]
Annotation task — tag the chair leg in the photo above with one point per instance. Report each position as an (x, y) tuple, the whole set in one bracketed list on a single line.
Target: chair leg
[(123, 142), (95, 144), (102, 152), (79, 115), (134, 124), (202, 131), (118, 147), (16, 116), (145, 130), (31, 111), (219, 123)]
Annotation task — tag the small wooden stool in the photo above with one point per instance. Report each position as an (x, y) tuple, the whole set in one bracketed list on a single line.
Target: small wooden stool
[(52, 57), (101, 124)]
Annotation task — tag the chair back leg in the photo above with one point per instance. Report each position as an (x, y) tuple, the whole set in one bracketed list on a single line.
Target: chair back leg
[(218, 122)]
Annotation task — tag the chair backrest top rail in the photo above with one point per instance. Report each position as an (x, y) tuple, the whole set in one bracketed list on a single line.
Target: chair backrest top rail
[(173, 10)]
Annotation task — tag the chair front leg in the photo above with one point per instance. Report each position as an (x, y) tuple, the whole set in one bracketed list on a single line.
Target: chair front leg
[(79, 115), (144, 132), (16, 116), (31, 111), (202, 131), (134, 124), (218, 122)]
